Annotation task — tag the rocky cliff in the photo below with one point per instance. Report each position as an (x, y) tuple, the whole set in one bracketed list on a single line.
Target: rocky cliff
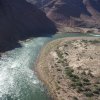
[(81, 13), (20, 19)]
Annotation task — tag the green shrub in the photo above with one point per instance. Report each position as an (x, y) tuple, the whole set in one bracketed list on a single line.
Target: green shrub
[(85, 41), (87, 89), (57, 87), (65, 64), (88, 94), (59, 70), (59, 54), (94, 41), (58, 82), (79, 89), (73, 85), (75, 76), (69, 71), (96, 92), (86, 80), (74, 79), (78, 83), (86, 83), (75, 98)]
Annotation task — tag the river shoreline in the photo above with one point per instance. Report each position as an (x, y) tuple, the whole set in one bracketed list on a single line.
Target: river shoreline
[(41, 77), (42, 64), (78, 30)]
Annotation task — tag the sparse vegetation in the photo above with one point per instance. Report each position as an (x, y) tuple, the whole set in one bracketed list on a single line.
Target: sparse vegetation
[(80, 83), (74, 72), (57, 86), (59, 54), (85, 41), (86, 80), (94, 41), (91, 41), (75, 98), (88, 94)]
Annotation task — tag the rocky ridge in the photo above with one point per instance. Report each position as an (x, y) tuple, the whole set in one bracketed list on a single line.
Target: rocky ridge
[(73, 13)]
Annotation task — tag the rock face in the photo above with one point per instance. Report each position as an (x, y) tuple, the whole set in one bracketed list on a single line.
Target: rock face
[(82, 13), (20, 19)]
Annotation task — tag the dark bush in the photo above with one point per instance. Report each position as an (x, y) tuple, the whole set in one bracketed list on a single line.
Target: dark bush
[(88, 94)]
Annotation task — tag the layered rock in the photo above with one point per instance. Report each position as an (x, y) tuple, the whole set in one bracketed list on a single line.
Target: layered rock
[(82, 13)]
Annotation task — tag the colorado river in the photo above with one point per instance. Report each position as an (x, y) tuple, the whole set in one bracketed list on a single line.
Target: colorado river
[(17, 77)]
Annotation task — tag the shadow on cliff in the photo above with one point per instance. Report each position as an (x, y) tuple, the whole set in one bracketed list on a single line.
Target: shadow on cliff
[(20, 20)]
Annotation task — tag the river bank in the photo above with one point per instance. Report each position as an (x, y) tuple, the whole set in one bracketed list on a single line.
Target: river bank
[(78, 30), (51, 66)]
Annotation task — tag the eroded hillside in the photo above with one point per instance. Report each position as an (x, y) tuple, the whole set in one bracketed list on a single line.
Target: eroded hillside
[(80, 13)]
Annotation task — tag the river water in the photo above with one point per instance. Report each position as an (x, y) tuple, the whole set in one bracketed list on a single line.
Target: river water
[(18, 80)]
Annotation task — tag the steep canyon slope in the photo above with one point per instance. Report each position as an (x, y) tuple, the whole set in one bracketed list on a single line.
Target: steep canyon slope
[(81, 13), (19, 20)]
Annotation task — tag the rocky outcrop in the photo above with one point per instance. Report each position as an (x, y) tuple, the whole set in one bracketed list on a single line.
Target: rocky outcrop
[(20, 19), (81, 13)]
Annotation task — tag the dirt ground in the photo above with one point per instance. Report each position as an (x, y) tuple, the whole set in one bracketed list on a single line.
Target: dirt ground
[(70, 68)]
